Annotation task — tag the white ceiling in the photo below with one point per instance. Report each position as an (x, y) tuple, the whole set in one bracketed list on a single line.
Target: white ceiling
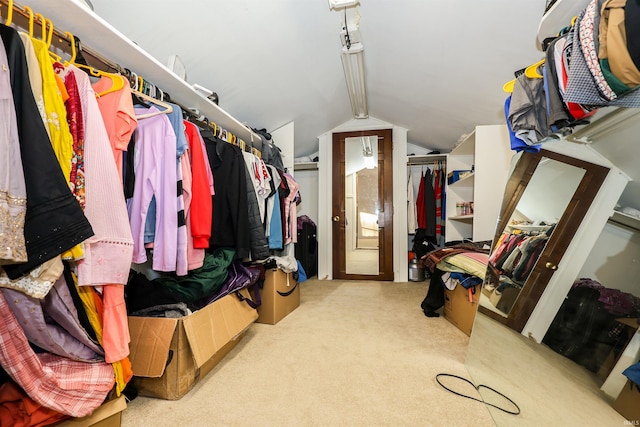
[(434, 67)]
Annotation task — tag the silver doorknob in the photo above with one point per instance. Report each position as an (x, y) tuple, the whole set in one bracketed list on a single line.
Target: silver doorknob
[(551, 266), (336, 218)]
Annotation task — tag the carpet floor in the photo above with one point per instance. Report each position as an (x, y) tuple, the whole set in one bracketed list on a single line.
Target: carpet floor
[(354, 353)]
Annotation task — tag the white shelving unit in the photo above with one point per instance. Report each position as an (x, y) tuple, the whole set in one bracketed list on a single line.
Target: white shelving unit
[(626, 220), (487, 152), (305, 166), (461, 157)]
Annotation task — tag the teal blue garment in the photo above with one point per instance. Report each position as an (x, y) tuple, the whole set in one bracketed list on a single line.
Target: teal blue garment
[(201, 282), (275, 227)]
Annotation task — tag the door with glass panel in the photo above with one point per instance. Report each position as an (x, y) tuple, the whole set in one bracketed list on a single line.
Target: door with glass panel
[(362, 214)]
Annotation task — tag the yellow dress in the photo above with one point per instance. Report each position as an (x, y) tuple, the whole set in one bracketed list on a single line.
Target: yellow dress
[(56, 115), (61, 138)]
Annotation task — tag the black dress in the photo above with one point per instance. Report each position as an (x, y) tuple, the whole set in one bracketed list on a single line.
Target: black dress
[(54, 222)]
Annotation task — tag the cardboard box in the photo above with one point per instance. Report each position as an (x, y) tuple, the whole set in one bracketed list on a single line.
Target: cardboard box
[(458, 309), (169, 356), (280, 296), (628, 403), (494, 297), (108, 414)]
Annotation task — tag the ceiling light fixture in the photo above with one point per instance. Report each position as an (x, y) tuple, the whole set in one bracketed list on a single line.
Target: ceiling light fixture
[(353, 64), (341, 4), (367, 153), (353, 57)]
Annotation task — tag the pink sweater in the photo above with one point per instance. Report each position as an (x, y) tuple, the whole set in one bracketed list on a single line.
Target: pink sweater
[(108, 253)]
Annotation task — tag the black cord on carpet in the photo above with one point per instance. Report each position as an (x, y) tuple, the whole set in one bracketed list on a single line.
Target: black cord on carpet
[(478, 387)]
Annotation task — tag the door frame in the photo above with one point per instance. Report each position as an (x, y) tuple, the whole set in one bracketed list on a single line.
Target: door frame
[(385, 187)]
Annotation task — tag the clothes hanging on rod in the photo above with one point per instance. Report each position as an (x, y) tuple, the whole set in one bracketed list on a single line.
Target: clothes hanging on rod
[(430, 201), (74, 182)]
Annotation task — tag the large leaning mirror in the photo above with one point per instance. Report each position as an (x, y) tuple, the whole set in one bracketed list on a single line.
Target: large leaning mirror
[(527, 232), (546, 199)]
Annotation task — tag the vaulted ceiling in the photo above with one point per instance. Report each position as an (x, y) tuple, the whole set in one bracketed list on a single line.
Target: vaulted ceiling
[(435, 67)]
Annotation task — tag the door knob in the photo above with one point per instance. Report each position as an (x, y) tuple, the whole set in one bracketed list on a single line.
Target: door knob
[(336, 218), (551, 266)]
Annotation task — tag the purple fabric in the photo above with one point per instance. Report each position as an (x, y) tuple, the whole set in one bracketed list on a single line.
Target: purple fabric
[(52, 323), (302, 219), (239, 277), (155, 143), (616, 302)]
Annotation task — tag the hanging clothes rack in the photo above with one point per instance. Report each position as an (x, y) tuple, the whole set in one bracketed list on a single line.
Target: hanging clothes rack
[(119, 54), (424, 159)]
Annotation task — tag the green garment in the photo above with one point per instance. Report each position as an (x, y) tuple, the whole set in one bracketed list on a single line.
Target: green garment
[(203, 281)]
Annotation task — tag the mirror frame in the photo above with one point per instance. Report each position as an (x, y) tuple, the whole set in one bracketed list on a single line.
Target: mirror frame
[(559, 240)]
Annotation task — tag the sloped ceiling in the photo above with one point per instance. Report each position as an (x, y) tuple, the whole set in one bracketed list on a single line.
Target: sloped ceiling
[(434, 67)]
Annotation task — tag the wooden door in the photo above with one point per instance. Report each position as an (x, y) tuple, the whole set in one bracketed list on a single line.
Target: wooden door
[(362, 213)]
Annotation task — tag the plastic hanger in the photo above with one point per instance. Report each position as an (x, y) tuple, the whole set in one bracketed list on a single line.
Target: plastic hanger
[(508, 86), (48, 27), (29, 11), (117, 81), (43, 26), (167, 108), (532, 70), (9, 19)]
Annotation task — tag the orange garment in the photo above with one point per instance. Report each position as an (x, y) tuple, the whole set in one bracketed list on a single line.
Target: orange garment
[(115, 335), (62, 88), (17, 409), (117, 113), (94, 306)]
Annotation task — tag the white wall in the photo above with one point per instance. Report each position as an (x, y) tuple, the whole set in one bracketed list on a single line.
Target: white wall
[(614, 261), (308, 181), (283, 137)]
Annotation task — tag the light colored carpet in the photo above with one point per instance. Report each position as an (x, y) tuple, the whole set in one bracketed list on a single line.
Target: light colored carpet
[(353, 354), (549, 388)]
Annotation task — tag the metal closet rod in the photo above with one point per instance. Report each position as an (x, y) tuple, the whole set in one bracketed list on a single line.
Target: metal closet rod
[(62, 37), (106, 63)]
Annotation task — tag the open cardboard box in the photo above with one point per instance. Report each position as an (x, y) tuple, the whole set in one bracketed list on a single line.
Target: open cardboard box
[(169, 356), (280, 296), (458, 309), (628, 403), (108, 414)]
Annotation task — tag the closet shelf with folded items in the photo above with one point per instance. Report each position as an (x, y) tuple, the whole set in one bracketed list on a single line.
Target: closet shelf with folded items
[(590, 63), (557, 16)]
